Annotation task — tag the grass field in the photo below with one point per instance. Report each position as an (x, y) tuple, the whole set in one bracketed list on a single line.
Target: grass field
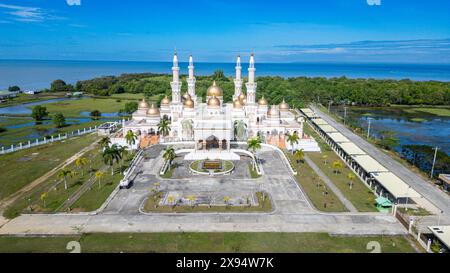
[(438, 111), (57, 195), (265, 205), (20, 168), (73, 108), (360, 196), (24, 98), (321, 197), (233, 242)]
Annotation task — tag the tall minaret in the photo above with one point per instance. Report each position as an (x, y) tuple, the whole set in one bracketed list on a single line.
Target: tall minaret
[(238, 79), (191, 80), (176, 84), (251, 84)]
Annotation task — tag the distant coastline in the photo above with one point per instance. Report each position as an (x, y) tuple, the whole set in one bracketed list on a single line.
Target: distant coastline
[(38, 74)]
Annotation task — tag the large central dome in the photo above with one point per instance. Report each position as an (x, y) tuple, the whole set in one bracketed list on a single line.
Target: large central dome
[(214, 90)]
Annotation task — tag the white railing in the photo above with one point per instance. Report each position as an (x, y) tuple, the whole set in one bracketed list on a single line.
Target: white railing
[(46, 140)]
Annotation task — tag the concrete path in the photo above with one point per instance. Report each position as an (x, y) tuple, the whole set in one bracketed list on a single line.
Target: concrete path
[(292, 213), (331, 185), (425, 188)]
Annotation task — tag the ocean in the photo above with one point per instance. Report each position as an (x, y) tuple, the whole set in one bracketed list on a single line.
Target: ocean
[(31, 74)]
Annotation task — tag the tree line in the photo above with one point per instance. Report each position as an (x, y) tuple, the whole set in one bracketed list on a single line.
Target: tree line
[(298, 91)]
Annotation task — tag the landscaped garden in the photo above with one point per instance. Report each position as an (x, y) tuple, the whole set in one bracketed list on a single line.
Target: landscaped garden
[(212, 166), (191, 203)]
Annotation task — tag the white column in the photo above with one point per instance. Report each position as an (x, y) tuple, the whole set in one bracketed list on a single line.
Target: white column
[(176, 84), (251, 84), (238, 79), (191, 80)]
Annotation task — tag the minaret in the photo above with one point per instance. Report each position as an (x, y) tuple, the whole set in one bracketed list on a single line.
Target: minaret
[(176, 84), (251, 84), (191, 80), (238, 79)]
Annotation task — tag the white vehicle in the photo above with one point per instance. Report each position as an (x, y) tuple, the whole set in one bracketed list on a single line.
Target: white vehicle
[(125, 184)]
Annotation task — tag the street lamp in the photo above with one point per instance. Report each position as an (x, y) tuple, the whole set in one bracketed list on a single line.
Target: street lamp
[(369, 120), (407, 196), (434, 161), (345, 114), (329, 105)]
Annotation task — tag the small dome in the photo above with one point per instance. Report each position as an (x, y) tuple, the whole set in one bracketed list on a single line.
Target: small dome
[(143, 104), (165, 101), (244, 101), (153, 111), (214, 102), (262, 101), (214, 90), (273, 112), (284, 106), (242, 97), (237, 104), (189, 103)]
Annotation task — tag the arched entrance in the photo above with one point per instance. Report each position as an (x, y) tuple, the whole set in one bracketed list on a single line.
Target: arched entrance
[(212, 142)]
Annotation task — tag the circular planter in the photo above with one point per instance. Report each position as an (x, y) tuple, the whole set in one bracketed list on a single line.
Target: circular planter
[(195, 167)]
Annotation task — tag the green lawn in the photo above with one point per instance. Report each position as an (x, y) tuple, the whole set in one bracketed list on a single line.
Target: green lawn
[(438, 111), (360, 195), (252, 171), (73, 108), (24, 98), (20, 168), (265, 205), (219, 242), (57, 194), (320, 196)]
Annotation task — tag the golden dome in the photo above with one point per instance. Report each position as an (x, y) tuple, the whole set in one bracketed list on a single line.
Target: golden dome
[(143, 104), (244, 101), (214, 90), (153, 111), (237, 104), (262, 101), (189, 103), (284, 106), (186, 96), (165, 101), (242, 97), (273, 112), (214, 102)]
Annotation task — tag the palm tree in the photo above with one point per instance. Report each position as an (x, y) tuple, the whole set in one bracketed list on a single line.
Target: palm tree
[(131, 138), (164, 127), (292, 139), (123, 151), (226, 199), (192, 199), (111, 155), (240, 129), (80, 162), (169, 155), (171, 199), (105, 142), (254, 144), (337, 165), (44, 197), (299, 155), (351, 177), (98, 176), (63, 174)]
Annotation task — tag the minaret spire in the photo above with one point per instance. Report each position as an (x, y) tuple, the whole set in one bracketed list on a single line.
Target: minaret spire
[(251, 84), (238, 80), (176, 84), (191, 80)]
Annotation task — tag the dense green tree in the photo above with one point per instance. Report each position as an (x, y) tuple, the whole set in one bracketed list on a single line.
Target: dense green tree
[(59, 120), (39, 113), (14, 88), (95, 114), (130, 107)]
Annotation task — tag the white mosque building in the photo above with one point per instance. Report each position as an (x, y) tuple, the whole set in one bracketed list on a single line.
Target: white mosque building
[(210, 126)]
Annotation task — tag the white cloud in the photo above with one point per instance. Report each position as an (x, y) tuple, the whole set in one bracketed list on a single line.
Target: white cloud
[(73, 2), (24, 14)]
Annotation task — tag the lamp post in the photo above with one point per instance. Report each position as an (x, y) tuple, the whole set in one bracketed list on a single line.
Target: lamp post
[(369, 120), (329, 105), (439, 218), (407, 196), (434, 161), (345, 114)]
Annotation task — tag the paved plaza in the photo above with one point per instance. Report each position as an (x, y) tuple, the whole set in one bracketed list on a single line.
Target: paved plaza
[(292, 210)]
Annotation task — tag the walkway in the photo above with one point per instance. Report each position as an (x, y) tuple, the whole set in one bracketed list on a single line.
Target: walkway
[(331, 185)]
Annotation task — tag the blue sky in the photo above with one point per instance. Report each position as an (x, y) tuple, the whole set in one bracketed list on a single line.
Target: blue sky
[(415, 31)]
